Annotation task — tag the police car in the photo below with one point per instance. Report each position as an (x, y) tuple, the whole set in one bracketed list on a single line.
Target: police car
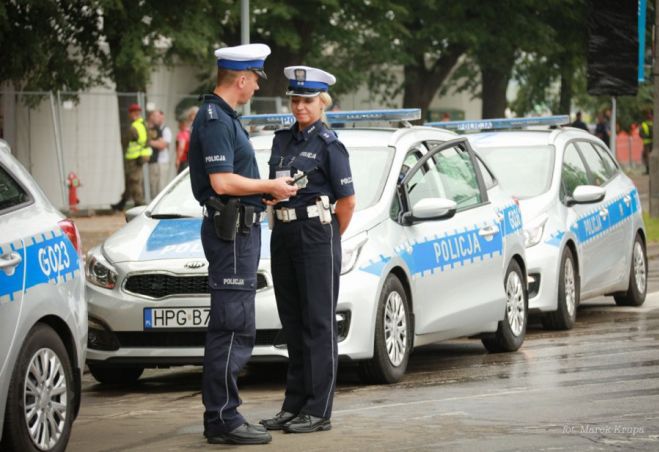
[(43, 315), (434, 251), (582, 215)]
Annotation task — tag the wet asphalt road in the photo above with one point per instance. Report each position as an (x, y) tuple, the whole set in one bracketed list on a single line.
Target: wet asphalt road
[(593, 388)]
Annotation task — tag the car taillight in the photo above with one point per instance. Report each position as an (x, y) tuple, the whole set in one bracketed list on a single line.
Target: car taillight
[(69, 228)]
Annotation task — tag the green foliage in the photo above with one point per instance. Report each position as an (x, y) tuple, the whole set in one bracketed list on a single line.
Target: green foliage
[(651, 227), (49, 45)]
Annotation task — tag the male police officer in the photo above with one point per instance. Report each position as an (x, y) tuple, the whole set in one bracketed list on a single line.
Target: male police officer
[(225, 180)]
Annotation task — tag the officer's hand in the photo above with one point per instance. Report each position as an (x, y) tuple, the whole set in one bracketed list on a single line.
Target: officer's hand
[(283, 187)]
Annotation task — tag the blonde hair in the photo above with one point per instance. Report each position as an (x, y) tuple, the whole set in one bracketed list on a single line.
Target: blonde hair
[(326, 100)]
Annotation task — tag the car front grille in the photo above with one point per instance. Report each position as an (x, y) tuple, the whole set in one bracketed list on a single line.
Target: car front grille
[(159, 285), (173, 339)]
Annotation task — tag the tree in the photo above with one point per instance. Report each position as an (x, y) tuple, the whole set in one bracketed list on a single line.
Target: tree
[(562, 63), (49, 45)]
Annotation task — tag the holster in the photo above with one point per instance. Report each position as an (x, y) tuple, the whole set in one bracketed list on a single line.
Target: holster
[(226, 217), (248, 217)]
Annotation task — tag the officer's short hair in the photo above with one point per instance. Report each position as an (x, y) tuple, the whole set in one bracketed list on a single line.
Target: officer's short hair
[(226, 76)]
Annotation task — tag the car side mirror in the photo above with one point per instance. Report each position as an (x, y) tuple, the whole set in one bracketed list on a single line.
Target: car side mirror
[(586, 194), (429, 209), (134, 212)]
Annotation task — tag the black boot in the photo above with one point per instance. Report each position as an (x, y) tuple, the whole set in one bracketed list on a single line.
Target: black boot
[(277, 422)]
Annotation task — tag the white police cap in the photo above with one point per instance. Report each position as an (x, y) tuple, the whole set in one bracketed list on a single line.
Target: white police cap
[(307, 81), (246, 57)]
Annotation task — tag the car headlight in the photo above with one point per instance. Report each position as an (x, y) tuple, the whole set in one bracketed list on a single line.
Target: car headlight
[(100, 272), (533, 231), (350, 251)]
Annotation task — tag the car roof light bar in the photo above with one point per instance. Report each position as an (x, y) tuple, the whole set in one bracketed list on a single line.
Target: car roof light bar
[(502, 123), (334, 117)]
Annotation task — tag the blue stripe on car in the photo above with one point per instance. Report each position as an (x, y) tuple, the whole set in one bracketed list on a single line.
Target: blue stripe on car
[(51, 259)]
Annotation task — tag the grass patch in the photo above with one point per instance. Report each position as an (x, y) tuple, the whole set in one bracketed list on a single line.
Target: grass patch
[(651, 227)]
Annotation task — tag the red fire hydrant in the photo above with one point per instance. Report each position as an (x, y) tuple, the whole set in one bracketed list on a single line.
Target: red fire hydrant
[(73, 183)]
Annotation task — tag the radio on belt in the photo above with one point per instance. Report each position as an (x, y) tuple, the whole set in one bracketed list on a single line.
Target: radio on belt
[(324, 209)]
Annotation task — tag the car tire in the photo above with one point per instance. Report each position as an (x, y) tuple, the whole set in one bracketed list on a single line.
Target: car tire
[(43, 381), (512, 329), (635, 295), (393, 336), (115, 375), (568, 296)]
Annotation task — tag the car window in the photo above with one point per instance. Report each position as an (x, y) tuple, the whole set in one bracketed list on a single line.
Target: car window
[(599, 171), (522, 171), (448, 174), (611, 164), (574, 170), (488, 178), (413, 156), (458, 176), (11, 193)]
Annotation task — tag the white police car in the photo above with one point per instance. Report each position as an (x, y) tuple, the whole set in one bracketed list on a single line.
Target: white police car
[(434, 251), (43, 315), (581, 213)]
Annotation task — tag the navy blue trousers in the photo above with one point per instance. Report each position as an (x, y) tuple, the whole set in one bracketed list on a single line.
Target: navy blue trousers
[(306, 265), (231, 327)]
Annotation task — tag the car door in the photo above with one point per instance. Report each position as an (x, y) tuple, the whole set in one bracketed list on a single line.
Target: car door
[(13, 197), (616, 206), (587, 221), (455, 262)]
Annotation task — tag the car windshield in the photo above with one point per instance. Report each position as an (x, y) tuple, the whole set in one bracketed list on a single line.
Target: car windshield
[(370, 167), (522, 171)]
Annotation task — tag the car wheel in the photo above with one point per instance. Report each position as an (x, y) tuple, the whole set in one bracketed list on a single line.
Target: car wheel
[(511, 330), (568, 296), (393, 336), (41, 398), (635, 295), (115, 375)]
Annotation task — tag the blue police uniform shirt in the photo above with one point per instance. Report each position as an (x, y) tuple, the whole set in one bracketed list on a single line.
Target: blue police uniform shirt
[(317, 151), (220, 144)]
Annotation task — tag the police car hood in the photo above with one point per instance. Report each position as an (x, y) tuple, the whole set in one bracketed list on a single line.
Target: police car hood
[(147, 239)]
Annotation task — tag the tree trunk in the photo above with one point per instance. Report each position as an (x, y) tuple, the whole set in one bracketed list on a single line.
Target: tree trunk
[(495, 83), (565, 96), (421, 84)]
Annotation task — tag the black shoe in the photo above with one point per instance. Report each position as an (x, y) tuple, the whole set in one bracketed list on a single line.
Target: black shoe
[(245, 434), (277, 422), (305, 423), (118, 207)]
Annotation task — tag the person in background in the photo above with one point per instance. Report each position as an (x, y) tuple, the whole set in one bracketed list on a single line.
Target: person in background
[(156, 144), (183, 139), (645, 131), (601, 130), (164, 151), (578, 123), (136, 153)]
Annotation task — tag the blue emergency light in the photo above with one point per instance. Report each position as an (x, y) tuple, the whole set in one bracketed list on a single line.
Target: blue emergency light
[(502, 123), (334, 117)]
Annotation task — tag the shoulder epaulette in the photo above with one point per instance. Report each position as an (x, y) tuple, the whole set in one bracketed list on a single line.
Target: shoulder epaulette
[(328, 136)]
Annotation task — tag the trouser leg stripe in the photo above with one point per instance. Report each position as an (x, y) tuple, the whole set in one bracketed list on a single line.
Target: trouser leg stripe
[(226, 378), (331, 308)]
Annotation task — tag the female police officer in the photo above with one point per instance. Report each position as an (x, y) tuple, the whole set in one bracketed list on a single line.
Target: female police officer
[(306, 250)]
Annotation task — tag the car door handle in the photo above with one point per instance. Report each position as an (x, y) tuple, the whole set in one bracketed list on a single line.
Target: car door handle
[(488, 231), (9, 262)]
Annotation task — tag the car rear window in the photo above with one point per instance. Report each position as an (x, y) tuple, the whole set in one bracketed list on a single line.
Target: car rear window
[(522, 171), (11, 193)]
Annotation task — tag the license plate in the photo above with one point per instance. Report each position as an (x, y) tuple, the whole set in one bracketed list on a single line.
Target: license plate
[(176, 318)]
